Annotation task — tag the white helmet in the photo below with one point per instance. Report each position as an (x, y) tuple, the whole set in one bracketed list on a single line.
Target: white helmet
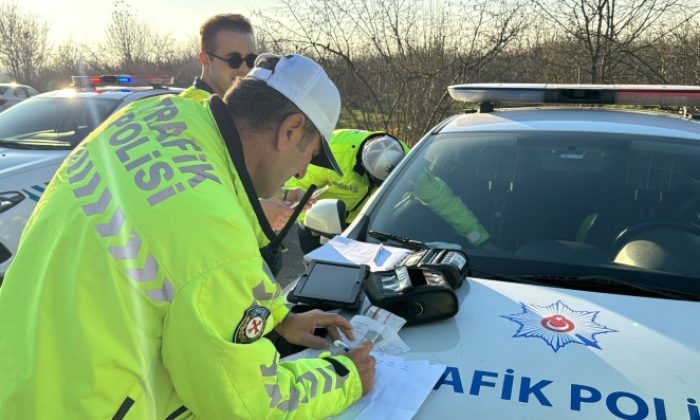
[(380, 155)]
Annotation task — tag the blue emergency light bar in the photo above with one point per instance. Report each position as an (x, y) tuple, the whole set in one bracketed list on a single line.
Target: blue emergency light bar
[(122, 80), (526, 93)]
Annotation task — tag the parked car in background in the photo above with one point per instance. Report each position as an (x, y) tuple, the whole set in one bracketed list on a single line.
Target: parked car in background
[(37, 134), (584, 289), (12, 93)]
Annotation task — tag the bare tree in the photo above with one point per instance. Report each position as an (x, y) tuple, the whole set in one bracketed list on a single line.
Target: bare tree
[(614, 33), (127, 36), (682, 57), (132, 45), (23, 42), (393, 59)]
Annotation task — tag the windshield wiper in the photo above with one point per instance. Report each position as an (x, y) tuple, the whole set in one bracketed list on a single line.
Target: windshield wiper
[(407, 242), (564, 280), (17, 145)]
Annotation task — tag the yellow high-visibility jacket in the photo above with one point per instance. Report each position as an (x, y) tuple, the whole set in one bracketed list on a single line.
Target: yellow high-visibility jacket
[(263, 231), (138, 290), (355, 186)]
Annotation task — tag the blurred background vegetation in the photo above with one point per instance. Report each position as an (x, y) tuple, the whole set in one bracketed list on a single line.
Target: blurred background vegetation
[(393, 59)]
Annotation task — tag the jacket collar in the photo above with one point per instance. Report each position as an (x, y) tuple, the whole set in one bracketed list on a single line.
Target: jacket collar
[(202, 85), (232, 140)]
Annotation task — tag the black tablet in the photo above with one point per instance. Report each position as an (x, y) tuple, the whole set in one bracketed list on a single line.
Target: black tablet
[(330, 285)]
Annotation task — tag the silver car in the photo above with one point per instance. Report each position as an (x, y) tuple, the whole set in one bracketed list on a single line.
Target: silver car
[(36, 135), (11, 94)]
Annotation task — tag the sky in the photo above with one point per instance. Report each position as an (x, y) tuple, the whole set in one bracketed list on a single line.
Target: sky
[(82, 20)]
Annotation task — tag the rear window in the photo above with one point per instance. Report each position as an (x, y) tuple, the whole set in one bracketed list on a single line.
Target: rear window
[(3, 89), (51, 123)]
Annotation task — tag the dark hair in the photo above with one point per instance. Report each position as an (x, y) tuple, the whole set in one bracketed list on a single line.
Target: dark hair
[(259, 105), (221, 22)]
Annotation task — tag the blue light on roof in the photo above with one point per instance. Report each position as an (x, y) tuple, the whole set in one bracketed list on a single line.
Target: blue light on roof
[(124, 79)]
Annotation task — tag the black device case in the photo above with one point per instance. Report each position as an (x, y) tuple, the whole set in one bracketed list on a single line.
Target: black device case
[(424, 299)]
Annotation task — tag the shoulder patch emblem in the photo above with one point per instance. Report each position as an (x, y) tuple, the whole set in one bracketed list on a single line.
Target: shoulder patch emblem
[(252, 325)]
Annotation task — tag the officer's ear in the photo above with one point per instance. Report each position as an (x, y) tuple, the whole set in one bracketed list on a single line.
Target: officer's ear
[(290, 131), (203, 58)]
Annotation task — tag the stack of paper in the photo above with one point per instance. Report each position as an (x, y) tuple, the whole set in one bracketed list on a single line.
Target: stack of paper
[(345, 250), (383, 331), (400, 388)]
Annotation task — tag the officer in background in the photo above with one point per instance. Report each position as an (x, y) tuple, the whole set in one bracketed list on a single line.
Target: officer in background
[(150, 298), (366, 159), (227, 52)]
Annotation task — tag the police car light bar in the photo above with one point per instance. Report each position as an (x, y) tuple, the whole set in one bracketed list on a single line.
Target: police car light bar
[(122, 80), (525, 93)]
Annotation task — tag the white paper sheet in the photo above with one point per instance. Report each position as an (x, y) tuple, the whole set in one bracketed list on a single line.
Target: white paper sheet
[(400, 388), (349, 251)]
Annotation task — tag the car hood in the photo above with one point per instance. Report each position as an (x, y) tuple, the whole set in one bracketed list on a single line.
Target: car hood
[(15, 161), (531, 352)]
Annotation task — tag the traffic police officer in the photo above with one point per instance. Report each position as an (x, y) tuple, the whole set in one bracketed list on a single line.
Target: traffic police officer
[(365, 157), (138, 289)]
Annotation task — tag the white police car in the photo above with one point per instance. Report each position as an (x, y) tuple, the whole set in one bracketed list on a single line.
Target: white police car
[(38, 133), (12, 93), (584, 301)]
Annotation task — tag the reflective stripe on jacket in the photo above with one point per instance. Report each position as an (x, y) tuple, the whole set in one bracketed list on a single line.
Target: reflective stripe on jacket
[(355, 186), (261, 226), (138, 288)]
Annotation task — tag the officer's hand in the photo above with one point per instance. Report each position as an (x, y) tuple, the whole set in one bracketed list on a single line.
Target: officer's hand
[(365, 364), (309, 203), (276, 211), (294, 195), (299, 328)]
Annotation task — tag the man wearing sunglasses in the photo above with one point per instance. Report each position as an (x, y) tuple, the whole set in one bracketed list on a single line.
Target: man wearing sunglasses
[(228, 52)]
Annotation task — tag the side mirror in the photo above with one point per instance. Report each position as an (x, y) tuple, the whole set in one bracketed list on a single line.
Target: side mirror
[(326, 217)]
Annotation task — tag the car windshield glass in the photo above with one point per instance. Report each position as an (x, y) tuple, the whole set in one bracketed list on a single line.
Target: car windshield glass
[(54, 122), (592, 199)]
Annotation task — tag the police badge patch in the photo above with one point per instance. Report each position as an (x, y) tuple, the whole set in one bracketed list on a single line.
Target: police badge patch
[(252, 325)]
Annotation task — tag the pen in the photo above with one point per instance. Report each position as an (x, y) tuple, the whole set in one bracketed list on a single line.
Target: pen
[(378, 253), (341, 344)]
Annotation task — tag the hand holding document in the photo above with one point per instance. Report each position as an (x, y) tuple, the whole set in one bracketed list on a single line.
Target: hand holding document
[(400, 386), (377, 326), (314, 196)]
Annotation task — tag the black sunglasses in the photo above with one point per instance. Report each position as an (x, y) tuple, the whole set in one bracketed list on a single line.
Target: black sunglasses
[(236, 59)]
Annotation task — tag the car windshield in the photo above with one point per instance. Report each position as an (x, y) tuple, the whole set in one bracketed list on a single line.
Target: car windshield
[(52, 122), (590, 199)]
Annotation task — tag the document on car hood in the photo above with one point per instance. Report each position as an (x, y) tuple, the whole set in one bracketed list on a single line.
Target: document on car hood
[(400, 388), (340, 249), (378, 326)]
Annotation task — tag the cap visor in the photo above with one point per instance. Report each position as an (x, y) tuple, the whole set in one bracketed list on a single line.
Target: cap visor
[(326, 159)]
